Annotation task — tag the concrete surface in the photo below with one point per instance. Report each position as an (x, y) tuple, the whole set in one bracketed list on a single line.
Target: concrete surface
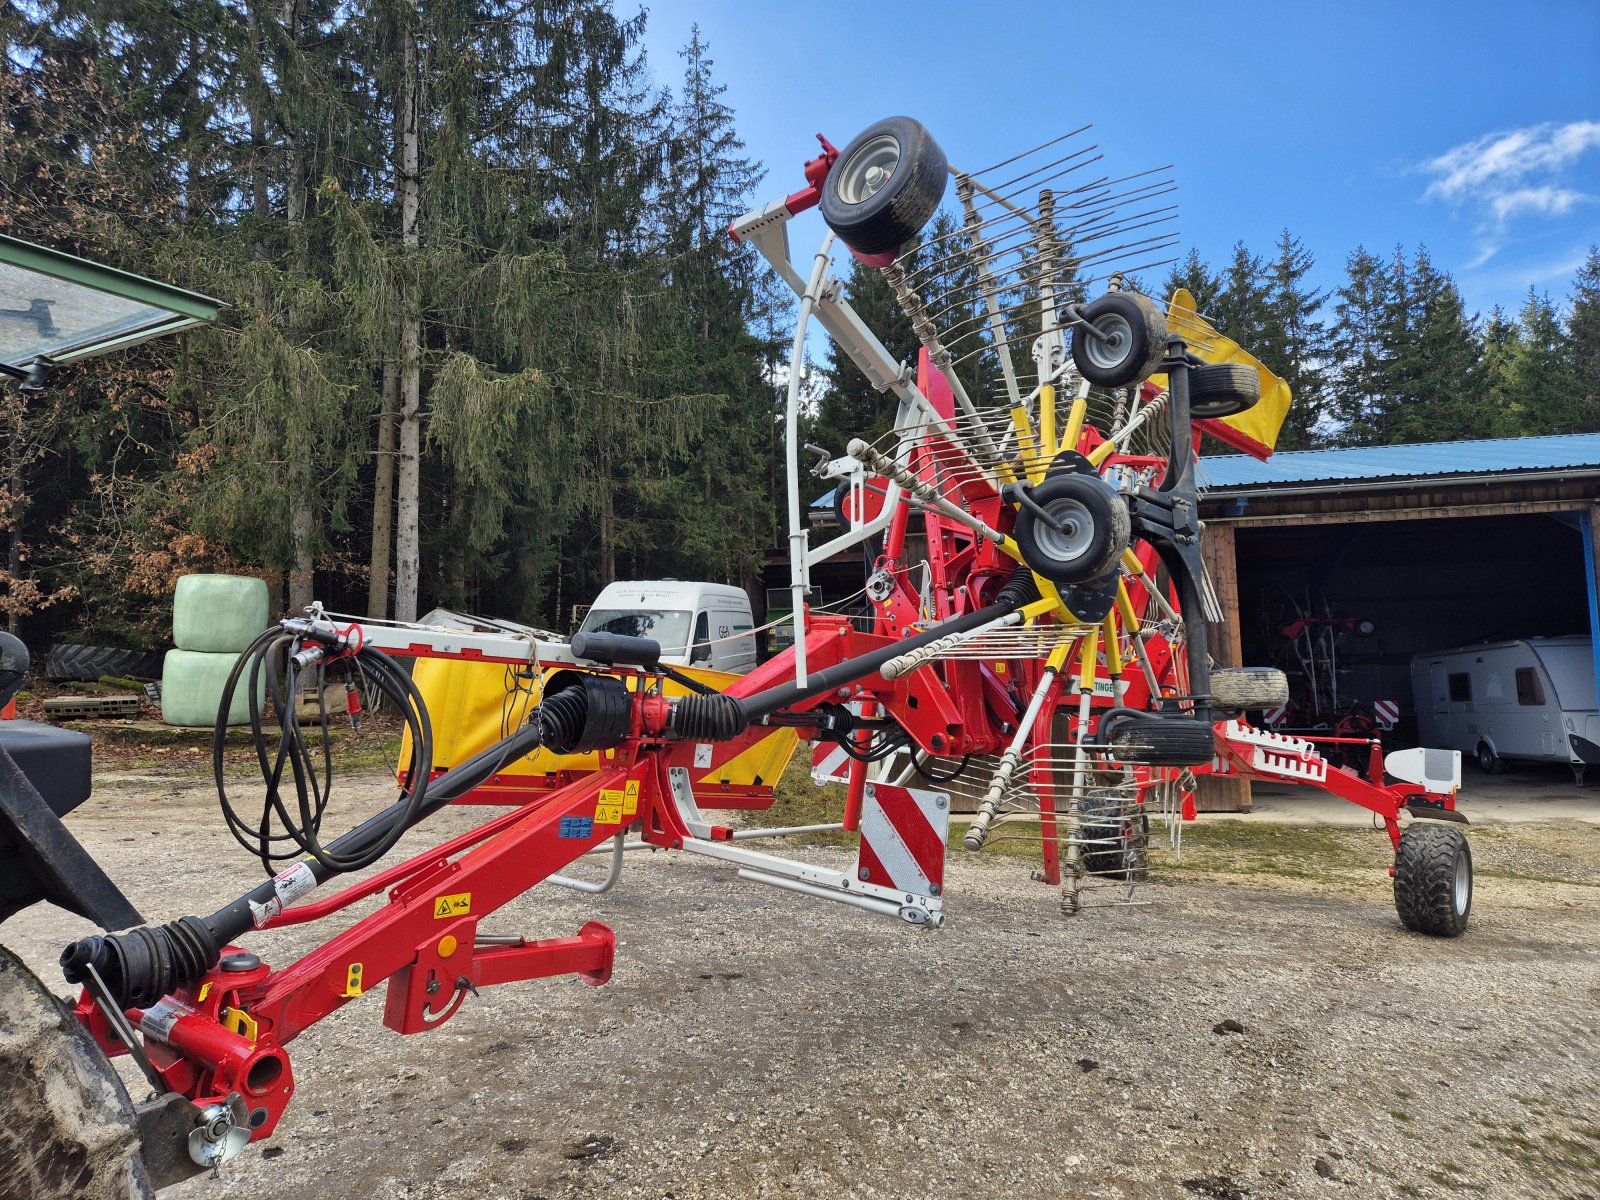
[(1532, 794)]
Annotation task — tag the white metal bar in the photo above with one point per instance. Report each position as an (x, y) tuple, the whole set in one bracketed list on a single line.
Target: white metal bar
[(799, 567)]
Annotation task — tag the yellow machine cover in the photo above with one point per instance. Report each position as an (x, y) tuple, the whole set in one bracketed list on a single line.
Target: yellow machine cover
[(1255, 431)]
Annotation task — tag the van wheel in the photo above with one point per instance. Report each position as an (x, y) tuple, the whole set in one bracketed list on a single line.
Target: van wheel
[(1489, 762)]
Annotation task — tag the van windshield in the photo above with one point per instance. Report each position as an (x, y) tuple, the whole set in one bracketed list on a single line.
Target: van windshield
[(668, 627)]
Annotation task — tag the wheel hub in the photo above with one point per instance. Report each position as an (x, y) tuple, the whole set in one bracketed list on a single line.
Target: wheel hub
[(868, 169), (1076, 532), (1111, 347)]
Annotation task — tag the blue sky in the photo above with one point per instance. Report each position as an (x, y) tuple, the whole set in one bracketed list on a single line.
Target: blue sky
[(1472, 128)]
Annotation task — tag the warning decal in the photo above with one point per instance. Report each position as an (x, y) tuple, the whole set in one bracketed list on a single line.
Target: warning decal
[(458, 905), (630, 798), (609, 814)]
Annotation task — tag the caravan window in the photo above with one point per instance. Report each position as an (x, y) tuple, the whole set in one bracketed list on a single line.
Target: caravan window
[(1529, 690), (1461, 686)]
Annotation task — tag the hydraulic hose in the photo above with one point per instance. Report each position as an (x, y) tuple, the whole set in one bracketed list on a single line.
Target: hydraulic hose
[(770, 701), (141, 965)]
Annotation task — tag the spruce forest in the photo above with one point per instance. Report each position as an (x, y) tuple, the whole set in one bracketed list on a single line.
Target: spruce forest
[(488, 344)]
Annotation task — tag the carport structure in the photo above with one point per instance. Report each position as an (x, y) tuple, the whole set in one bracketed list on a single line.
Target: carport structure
[(1390, 551)]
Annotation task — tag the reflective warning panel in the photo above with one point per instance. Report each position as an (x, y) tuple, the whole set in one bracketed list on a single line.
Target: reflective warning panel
[(903, 833)]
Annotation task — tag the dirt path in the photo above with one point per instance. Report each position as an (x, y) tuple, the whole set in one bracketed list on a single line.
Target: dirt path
[(754, 1043)]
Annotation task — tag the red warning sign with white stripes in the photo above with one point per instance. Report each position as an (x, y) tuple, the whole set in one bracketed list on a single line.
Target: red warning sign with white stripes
[(903, 833), (829, 763), (1274, 717), (1387, 713)]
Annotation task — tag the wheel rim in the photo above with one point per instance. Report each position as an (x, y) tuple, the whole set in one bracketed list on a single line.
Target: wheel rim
[(1110, 349), (1463, 887), (1070, 543), (868, 169)]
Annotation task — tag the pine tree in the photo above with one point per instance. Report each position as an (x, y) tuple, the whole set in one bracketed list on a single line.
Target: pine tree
[(1243, 308), (1432, 382), (1540, 391), (1204, 284), (1358, 348), (1294, 345), (1583, 342)]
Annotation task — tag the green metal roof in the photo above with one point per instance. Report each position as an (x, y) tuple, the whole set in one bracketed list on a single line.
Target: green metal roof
[(64, 308)]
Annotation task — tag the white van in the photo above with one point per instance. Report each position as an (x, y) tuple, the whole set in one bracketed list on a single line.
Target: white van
[(1532, 699), (696, 624)]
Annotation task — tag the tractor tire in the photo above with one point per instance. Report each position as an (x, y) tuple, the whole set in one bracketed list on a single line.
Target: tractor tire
[(66, 1124), (1433, 879), (884, 186), (66, 664), (1240, 689), (1223, 389), (1134, 338), (1098, 529), (1119, 843), (1161, 741)]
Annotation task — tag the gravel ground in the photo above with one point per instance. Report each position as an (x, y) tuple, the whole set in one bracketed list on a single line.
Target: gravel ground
[(1263, 1028)]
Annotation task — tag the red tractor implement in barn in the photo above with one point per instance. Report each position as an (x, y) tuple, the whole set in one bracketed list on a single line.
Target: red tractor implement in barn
[(1037, 658)]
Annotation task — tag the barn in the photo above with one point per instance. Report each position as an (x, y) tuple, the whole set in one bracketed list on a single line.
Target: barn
[(1340, 565)]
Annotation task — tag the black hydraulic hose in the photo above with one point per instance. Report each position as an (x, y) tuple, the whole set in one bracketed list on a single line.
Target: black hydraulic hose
[(142, 965), (755, 707)]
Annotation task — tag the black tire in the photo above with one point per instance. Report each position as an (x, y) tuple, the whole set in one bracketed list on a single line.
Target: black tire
[(1489, 762), (66, 1123), (88, 663), (1161, 741), (1137, 332), (1241, 689), (1118, 841), (1223, 389), (1433, 879), (871, 212), (1098, 529)]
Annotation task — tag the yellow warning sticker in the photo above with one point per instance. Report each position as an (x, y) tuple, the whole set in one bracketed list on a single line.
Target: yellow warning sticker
[(630, 798), (458, 905), (611, 796), (608, 814)]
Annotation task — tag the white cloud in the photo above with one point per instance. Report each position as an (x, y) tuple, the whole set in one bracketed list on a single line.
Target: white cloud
[(1510, 175), (1543, 201)]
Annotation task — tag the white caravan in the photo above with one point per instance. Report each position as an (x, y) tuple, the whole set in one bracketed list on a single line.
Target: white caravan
[(696, 624), (1532, 699)]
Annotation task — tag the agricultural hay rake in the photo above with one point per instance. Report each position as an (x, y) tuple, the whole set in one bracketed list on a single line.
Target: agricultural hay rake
[(1037, 659)]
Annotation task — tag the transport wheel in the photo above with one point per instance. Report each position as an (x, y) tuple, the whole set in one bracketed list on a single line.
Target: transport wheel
[(1134, 337), (66, 1123), (1243, 688), (1120, 841), (1489, 762), (1161, 741), (1433, 879), (1223, 389), (1095, 529), (884, 186)]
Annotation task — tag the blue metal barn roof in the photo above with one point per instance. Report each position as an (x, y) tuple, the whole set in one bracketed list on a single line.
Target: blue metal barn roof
[(1577, 451)]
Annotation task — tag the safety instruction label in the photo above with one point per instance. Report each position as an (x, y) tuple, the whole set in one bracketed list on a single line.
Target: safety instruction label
[(293, 883), (260, 914), (630, 798), (576, 827), (702, 754), (609, 809), (458, 905), (161, 1016)]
